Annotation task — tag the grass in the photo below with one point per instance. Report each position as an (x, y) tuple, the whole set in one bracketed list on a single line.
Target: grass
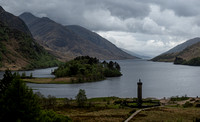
[(116, 115), (168, 114), (106, 109), (96, 109)]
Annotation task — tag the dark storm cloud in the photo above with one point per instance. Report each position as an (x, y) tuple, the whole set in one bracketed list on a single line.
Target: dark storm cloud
[(127, 8), (76, 11), (141, 22), (180, 7)]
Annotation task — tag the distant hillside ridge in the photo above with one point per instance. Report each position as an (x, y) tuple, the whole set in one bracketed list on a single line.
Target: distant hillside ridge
[(68, 42), (186, 50)]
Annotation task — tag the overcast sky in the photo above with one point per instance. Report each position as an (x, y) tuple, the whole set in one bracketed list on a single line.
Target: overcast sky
[(146, 27)]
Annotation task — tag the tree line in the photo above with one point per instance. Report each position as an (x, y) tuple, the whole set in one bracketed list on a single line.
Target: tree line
[(191, 62)]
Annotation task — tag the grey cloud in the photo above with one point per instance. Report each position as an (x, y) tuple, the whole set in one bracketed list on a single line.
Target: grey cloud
[(128, 9), (160, 18), (72, 12), (180, 7)]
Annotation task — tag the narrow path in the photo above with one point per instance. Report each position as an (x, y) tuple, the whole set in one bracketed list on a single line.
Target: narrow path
[(138, 111), (135, 113)]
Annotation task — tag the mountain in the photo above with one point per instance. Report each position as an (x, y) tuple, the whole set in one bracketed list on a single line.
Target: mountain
[(68, 42), (184, 45), (13, 22), (186, 50), (135, 54), (101, 42), (18, 50)]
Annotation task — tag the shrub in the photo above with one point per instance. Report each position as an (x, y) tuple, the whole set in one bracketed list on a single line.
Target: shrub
[(51, 116), (187, 104), (197, 105)]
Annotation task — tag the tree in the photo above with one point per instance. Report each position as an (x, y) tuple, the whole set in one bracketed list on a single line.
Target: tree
[(81, 98), (19, 103), (117, 66), (179, 60), (110, 65), (6, 81)]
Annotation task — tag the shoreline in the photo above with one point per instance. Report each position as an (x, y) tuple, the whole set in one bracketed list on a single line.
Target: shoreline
[(62, 80)]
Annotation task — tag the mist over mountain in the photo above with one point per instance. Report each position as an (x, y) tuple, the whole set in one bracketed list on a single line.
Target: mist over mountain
[(136, 55), (68, 42)]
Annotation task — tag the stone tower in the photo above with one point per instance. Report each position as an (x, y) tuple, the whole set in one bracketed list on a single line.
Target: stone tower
[(139, 93)]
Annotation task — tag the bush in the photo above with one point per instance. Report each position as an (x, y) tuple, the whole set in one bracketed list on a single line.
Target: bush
[(194, 61), (187, 104), (197, 105), (51, 116), (179, 60)]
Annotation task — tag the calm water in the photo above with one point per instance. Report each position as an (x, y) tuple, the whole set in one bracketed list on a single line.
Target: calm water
[(159, 80)]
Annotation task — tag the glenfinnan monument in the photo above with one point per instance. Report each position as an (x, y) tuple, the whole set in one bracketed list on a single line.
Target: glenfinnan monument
[(139, 90)]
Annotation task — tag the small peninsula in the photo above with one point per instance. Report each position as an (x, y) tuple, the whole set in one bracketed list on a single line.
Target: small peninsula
[(79, 70), (87, 69)]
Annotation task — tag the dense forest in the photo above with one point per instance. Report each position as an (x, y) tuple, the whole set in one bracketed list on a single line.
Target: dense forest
[(86, 69)]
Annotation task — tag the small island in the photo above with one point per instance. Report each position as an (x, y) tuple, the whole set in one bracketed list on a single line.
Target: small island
[(81, 69)]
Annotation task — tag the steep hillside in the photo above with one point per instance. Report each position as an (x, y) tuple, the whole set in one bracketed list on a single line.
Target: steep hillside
[(186, 50), (18, 50), (71, 41), (190, 52), (13, 22), (101, 42)]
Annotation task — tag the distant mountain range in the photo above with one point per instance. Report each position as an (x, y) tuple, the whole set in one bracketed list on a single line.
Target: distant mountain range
[(187, 50), (68, 42), (135, 54), (18, 50)]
